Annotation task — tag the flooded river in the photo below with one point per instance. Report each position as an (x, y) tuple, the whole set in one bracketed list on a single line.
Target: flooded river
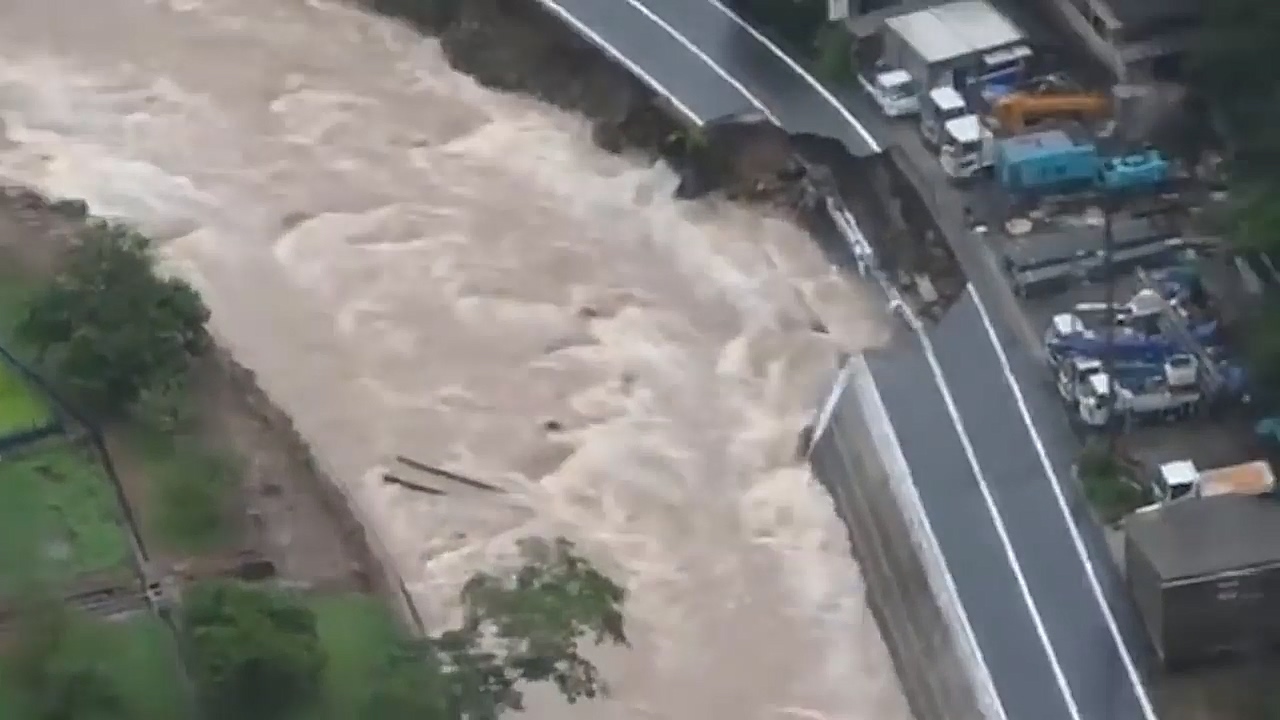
[(415, 265)]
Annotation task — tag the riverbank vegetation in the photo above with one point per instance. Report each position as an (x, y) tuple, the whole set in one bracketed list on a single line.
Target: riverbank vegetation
[(119, 339), (802, 27), (253, 652)]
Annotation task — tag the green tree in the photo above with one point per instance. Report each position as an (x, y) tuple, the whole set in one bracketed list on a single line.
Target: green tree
[(254, 654), (53, 678), (109, 326), (525, 626)]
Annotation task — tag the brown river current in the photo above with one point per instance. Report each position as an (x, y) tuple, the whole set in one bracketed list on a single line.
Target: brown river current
[(417, 265)]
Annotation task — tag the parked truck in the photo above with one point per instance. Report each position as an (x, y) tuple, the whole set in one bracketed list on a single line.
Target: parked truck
[(895, 91), (968, 147), (1182, 479), (1129, 392), (938, 106)]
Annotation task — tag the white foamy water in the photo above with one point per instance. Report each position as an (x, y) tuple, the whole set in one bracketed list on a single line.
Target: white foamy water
[(418, 266)]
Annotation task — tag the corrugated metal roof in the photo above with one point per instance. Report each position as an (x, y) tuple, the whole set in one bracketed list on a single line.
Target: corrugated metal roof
[(926, 34), (955, 30), (1201, 537), (981, 26)]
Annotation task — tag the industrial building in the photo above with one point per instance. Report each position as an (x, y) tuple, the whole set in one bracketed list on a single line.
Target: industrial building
[(1137, 39), (953, 43), (1205, 574)]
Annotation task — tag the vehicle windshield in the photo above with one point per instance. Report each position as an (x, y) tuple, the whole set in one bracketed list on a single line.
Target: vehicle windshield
[(897, 91)]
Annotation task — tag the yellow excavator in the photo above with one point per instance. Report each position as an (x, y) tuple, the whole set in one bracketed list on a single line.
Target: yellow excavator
[(1019, 109)]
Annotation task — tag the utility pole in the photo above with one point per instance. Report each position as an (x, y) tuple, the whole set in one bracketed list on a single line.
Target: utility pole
[(1109, 277)]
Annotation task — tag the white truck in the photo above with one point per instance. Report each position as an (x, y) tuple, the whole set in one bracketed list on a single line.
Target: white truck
[(1095, 397), (937, 107), (895, 91), (968, 147), (1181, 480)]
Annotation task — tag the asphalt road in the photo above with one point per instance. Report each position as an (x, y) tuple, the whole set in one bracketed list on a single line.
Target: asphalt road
[(667, 65), (700, 54), (968, 537)]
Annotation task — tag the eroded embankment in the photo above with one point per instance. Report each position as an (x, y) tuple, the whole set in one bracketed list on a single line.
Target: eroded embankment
[(236, 417), (518, 46)]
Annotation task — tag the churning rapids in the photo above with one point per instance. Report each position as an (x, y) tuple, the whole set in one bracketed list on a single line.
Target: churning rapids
[(416, 265)]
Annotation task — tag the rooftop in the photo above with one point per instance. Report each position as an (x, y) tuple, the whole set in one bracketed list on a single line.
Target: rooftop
[(1205, 536), (1039, 144), (955, 30)]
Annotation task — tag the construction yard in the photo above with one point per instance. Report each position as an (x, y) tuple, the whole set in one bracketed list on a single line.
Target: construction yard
[(1085, 199)]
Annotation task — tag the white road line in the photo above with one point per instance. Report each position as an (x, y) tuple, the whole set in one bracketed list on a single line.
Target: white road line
[(626, 62), (898, 463), (799, 70), (992, 509), (737, 85), (1130, 668)]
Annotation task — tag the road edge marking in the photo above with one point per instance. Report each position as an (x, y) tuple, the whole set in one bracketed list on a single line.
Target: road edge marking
[(1051, 474), (706, 60), (799, 70), (625, 61)]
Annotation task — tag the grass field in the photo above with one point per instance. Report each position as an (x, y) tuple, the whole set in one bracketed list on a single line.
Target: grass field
[(357, 632), (21, 408), (59, 516), (138, 654)]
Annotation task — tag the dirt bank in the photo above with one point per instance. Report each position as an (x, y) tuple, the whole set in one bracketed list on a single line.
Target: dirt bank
[(294, 515)]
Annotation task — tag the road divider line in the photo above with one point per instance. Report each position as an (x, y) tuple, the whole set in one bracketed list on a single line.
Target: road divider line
[(706, 59), (799, 70), (625, 61), (1130, 667)]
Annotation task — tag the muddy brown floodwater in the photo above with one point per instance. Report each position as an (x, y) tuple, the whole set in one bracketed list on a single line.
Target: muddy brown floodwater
[(416, 265)]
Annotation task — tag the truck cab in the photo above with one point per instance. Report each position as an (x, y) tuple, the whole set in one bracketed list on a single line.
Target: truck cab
[(1086, 388), (968, 147), (895, 91), (938, 106)]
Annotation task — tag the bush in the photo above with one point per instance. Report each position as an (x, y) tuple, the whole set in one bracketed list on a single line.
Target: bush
[(254, 654), (1107, 486), (834, 50)]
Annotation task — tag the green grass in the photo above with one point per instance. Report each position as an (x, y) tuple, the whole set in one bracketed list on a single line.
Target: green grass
[(189, 488), (138, 654), (59, 517), (21, 408), (357, 632)]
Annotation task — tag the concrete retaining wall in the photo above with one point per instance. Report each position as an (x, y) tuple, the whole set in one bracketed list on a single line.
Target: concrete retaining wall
[(855, 455)]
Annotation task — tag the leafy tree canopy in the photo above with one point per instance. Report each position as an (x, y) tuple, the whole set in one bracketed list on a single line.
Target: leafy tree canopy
[(253, 654), (521, 627), (51, 676), (109, 326)]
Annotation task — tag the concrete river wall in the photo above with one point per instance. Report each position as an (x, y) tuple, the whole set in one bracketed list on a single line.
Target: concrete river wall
[(854, 455)]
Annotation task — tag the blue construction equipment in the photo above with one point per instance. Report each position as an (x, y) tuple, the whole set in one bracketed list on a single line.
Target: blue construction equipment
[(1133, 172), (1056, 161), (1045, 161)]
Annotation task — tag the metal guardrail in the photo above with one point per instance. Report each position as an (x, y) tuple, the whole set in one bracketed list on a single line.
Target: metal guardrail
[(900, 482)]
